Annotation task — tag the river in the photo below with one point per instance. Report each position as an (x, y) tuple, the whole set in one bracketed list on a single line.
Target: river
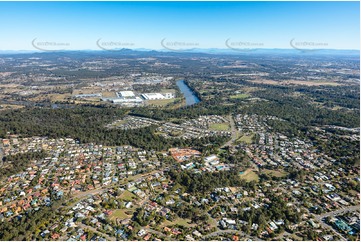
[(1, 156), (190, 97)]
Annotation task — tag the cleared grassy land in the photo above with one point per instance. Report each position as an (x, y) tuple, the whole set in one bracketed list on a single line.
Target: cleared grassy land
[(220, 127), (119, 122), (120, 214), (240, 96), (58, 97), (161, 102), (10, 106), (165, 90), (296, 82), (159, 133), (246, 139), (313, 83), (109, 94), (179, 221), (275, 173), (178, 103), (250, 175), (126, 195), (53, 97)]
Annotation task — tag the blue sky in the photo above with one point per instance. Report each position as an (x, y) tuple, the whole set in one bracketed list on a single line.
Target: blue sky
[(79, 25)]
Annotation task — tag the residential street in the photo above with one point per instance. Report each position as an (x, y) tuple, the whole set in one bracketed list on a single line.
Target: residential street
[(228, 231), (334, 213), (233, 132), (339, 211)]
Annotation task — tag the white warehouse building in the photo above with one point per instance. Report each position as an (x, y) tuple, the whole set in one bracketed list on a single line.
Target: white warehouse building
[(127, 100), (157, 96), (126, 94)]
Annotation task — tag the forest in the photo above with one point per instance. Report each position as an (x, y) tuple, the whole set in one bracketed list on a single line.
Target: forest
[(29, 225), (13, 164), (206, 182), (87, 124)]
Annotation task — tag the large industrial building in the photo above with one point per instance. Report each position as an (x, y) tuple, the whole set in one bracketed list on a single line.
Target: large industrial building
[(126, 97), (128, 100), (157, 96), (126, 94), (129, 97)]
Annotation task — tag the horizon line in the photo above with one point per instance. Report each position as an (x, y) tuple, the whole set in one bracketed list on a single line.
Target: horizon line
[(177, 50)]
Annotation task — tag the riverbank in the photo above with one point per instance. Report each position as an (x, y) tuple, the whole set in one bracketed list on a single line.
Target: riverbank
[(188, 93)]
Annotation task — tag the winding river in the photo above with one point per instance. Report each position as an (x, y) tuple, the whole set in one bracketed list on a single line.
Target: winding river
[(190, 97)]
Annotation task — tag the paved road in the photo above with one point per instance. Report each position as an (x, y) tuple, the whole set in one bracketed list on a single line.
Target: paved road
[(155, 232), (233, 132), (227, 231), (234, 136), (334, 213), (1, 155), (90, 192), (80, 195), (17, 200), (331, 228), (281, 235), (318, 217), (219, 232), (104, 188), (338, 211), (107, 237)]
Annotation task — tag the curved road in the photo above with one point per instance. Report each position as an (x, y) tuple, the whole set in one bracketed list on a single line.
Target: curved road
[(1, 156), (334, 213), (233, 132), (94, 230), (227, 231)]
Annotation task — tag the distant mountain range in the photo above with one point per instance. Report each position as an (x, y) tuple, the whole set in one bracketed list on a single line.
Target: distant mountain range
[(206, 51)]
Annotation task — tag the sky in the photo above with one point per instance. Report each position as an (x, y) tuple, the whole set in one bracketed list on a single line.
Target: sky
[(177, 25)]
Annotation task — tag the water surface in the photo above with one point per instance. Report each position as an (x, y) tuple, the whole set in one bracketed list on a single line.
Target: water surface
[(189, 95)]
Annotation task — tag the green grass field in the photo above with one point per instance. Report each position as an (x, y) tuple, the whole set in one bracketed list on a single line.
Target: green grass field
[(179, 221), (220, 126), (239, 96), (275, 173), (120, 213), (162, 102), (126, 195), (119, 122), (246, 139), (250, 175)]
